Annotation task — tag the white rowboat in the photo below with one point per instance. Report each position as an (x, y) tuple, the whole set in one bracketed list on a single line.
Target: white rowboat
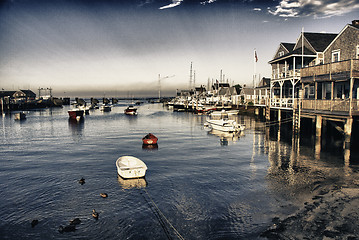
[(130, 167)]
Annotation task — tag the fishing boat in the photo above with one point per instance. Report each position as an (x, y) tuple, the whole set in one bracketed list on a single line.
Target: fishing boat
[(130, 167), (76, 114), (225, 125), (20, 116), (131, 110), (149, 139), (105, 108)]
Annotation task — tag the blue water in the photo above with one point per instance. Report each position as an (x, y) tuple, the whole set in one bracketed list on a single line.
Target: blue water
[(204, 185)]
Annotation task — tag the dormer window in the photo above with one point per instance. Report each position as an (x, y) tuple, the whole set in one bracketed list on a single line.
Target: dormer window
[(336, 56)]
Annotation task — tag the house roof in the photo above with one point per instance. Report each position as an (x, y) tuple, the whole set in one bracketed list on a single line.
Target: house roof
[(247, 91), (288, 46), (320, 41), (296, 52), (28, 92), (341, 32), (6, 93)]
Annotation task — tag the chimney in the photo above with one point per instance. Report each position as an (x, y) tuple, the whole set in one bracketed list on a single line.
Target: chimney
[(355, 22)]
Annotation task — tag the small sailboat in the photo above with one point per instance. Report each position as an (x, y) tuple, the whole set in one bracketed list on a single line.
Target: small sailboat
[(149, 139), (130, 167)]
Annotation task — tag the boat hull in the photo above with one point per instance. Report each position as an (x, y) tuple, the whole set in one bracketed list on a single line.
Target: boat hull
[(130, 167), (20, 116), (149, 139), (105, 108), (225, 125), (76, 114), (130, 112)]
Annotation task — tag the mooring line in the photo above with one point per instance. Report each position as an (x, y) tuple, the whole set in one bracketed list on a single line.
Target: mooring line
[(158, 216), (159, 212)]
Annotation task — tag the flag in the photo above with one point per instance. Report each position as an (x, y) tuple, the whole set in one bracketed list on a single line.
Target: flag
[(255, 55)]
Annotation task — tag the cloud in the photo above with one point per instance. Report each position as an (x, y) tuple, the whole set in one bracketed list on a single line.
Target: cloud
[(174, 3), (257, 9), (207, 2), (315, 8)]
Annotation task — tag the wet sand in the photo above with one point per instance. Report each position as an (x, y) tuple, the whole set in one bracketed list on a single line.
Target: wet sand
[(332, 213)]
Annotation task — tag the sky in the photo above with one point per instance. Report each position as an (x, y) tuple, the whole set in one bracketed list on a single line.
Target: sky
[(123, 48)]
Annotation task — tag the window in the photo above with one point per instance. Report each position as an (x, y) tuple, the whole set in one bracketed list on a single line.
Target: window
[(281, 53), (357, 51), (336, 56)]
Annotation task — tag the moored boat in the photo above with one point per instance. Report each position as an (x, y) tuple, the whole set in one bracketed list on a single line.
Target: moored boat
[(20, 116), (76, 114), (131, 110), (105, 108), (149, 139), (225, 125), (130, 167)]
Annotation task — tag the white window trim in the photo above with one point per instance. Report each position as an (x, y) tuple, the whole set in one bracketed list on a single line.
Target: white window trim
[(336, 52), (357, 56)]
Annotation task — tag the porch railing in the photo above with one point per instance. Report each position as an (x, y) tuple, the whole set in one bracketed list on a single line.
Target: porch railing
[(286, 74), (335, 105), (332, 68), (281, 102)]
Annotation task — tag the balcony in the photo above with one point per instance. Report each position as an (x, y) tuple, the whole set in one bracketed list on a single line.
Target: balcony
[(331, 71), (335, 106), (286, 74)]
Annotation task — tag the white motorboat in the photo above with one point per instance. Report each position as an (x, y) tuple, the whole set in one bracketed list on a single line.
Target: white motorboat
[(130, 167), (224, 113), (225, 125)]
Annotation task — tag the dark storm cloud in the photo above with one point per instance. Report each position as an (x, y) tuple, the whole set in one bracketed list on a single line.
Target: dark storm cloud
[(315, 8)]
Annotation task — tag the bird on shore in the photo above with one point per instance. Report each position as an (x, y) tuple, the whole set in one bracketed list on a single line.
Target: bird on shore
[(95, 214), (82, 181), (104, 195), (34, 222)]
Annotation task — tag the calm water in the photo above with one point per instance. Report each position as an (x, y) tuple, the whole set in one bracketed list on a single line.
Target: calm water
[(207, 186)]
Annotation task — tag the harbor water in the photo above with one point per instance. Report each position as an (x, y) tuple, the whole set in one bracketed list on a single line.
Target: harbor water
[(199, 184)]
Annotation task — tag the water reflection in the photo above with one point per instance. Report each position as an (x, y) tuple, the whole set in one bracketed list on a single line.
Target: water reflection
[(76, 128), (132, 183), (226, 137), (150, 147)]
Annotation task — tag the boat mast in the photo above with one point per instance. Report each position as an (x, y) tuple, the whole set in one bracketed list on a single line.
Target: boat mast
[(190, 77)]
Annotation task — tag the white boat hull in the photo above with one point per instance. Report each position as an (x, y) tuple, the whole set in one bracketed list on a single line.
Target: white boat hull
[(130, 167), (225, 125)]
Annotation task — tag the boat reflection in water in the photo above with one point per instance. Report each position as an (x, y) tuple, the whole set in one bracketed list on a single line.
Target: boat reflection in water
[(226, 137), (76, 127), (132, 183), (150, 146)]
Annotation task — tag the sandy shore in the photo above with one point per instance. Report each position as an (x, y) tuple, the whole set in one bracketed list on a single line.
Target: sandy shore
[(332, 213)]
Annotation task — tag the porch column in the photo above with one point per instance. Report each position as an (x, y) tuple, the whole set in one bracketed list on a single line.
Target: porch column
[(281, 92), (348, 126), (285, 68), (279, 116), (318, 127)]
